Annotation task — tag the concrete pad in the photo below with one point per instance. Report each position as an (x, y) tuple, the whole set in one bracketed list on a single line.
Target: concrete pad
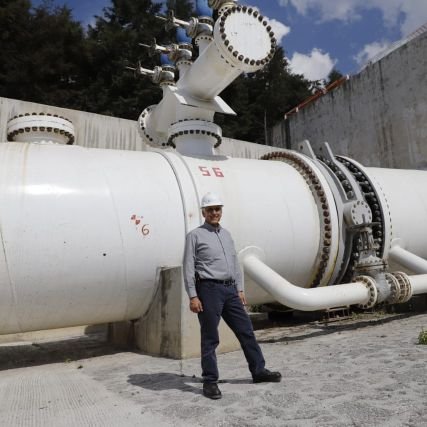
[(364, 372), (169, 328)]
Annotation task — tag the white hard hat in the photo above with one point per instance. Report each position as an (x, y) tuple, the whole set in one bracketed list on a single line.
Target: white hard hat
[(211, 199)]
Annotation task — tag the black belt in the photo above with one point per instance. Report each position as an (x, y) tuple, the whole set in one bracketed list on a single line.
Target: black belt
[(220, 282)]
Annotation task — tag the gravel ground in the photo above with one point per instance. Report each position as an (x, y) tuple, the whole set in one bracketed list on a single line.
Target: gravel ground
[(363, 372)]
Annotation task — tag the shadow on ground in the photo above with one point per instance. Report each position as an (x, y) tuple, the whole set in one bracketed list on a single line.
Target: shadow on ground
[(169, 381), (317, 329), (68, 350)]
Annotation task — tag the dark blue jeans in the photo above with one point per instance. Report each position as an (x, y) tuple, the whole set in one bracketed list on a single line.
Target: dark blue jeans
[(223, 301)]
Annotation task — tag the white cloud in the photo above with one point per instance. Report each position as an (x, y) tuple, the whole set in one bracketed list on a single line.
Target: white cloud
[(315, 66), (280, 30), (415, 15), (407, 14), (369, 51)]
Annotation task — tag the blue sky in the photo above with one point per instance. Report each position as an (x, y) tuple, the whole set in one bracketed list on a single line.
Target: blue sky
[(318, 35)]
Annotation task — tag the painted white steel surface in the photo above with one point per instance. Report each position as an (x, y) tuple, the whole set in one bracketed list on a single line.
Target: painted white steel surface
[(408, 260), (216, 67), (267, 205), (419, 284), (84, 232), (40, 128), (208, 76), (304, 299), (406, 196)]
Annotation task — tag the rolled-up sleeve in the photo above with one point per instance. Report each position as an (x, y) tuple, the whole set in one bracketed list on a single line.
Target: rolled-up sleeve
[(189, 265)]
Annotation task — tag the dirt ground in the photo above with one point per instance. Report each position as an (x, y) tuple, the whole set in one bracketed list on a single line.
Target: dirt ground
[(360, 372)]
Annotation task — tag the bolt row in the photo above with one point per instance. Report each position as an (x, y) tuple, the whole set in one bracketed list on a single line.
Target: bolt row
[(231, 49), (194, 132), (321, 201), (41, 114)]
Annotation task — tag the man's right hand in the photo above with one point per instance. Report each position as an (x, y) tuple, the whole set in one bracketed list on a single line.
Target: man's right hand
[(196, 305)]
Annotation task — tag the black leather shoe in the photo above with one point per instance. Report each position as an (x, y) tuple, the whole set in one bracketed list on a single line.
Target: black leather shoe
[(266, 376), (211, 391)]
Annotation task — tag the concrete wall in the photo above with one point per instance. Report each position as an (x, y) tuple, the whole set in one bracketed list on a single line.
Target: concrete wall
[(378, 117), (97, 131), (92, 130)]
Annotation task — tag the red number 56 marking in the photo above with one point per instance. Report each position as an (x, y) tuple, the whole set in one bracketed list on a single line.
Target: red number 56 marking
[(215, 171)]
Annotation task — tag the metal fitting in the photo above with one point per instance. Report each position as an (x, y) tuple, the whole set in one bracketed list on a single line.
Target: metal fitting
[(370, 284)]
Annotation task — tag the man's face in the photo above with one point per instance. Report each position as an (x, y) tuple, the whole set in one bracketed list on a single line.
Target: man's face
[(212, 214)]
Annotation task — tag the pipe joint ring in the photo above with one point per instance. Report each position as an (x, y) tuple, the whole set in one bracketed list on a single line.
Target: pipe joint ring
[(370, 284), (405, 286), (394, 288)]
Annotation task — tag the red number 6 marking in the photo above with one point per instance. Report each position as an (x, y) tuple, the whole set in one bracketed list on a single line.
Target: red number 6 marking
[(145, 230), (218, 172)]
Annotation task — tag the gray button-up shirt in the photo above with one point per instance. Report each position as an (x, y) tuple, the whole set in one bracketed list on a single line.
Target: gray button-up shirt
[(210, 252)]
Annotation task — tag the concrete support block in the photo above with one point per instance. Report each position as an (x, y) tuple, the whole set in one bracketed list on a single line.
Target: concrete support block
[(169, 328)]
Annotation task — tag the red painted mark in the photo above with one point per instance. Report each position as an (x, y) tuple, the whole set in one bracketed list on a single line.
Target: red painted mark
[(204, 171), (216, 171), (140, 228)]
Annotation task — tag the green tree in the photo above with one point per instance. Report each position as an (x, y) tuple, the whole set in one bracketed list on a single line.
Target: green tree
[(52, 60), (333, 76), (42, 54), (261, 99), (114, 43), (182, 8)]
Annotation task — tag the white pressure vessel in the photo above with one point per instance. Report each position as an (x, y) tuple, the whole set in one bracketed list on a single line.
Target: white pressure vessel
[(85, 232)]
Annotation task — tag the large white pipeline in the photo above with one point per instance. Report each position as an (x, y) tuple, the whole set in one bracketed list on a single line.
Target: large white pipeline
[(86, 232)]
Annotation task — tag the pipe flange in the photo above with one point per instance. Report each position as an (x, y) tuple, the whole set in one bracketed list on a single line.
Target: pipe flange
[(40, 127), (394, 288), (180, 52), (164, 75), (200, 39), (405, 286), (325, 260), (221, 4), (369, 282), (148, 135), (201, 26), (377, 202), (194, 127), (251, 52)]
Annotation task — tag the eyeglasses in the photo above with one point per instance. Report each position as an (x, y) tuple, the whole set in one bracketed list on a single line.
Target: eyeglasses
[(213, 209)]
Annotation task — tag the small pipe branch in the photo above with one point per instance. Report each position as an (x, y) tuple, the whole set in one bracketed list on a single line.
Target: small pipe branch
[(304, 299), (418, 284), (408, 260)]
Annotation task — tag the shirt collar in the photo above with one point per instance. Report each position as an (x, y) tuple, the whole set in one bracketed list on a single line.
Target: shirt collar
[(211, 227)]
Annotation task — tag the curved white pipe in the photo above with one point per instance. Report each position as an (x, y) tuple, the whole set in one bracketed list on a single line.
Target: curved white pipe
[(408, 260), (303, 299), (418, 284)]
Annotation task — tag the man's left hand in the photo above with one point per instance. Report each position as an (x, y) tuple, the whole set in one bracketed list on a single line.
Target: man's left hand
[(242, 297)]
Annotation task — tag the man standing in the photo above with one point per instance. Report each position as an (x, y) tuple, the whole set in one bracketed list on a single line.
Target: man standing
[(214, 285)]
